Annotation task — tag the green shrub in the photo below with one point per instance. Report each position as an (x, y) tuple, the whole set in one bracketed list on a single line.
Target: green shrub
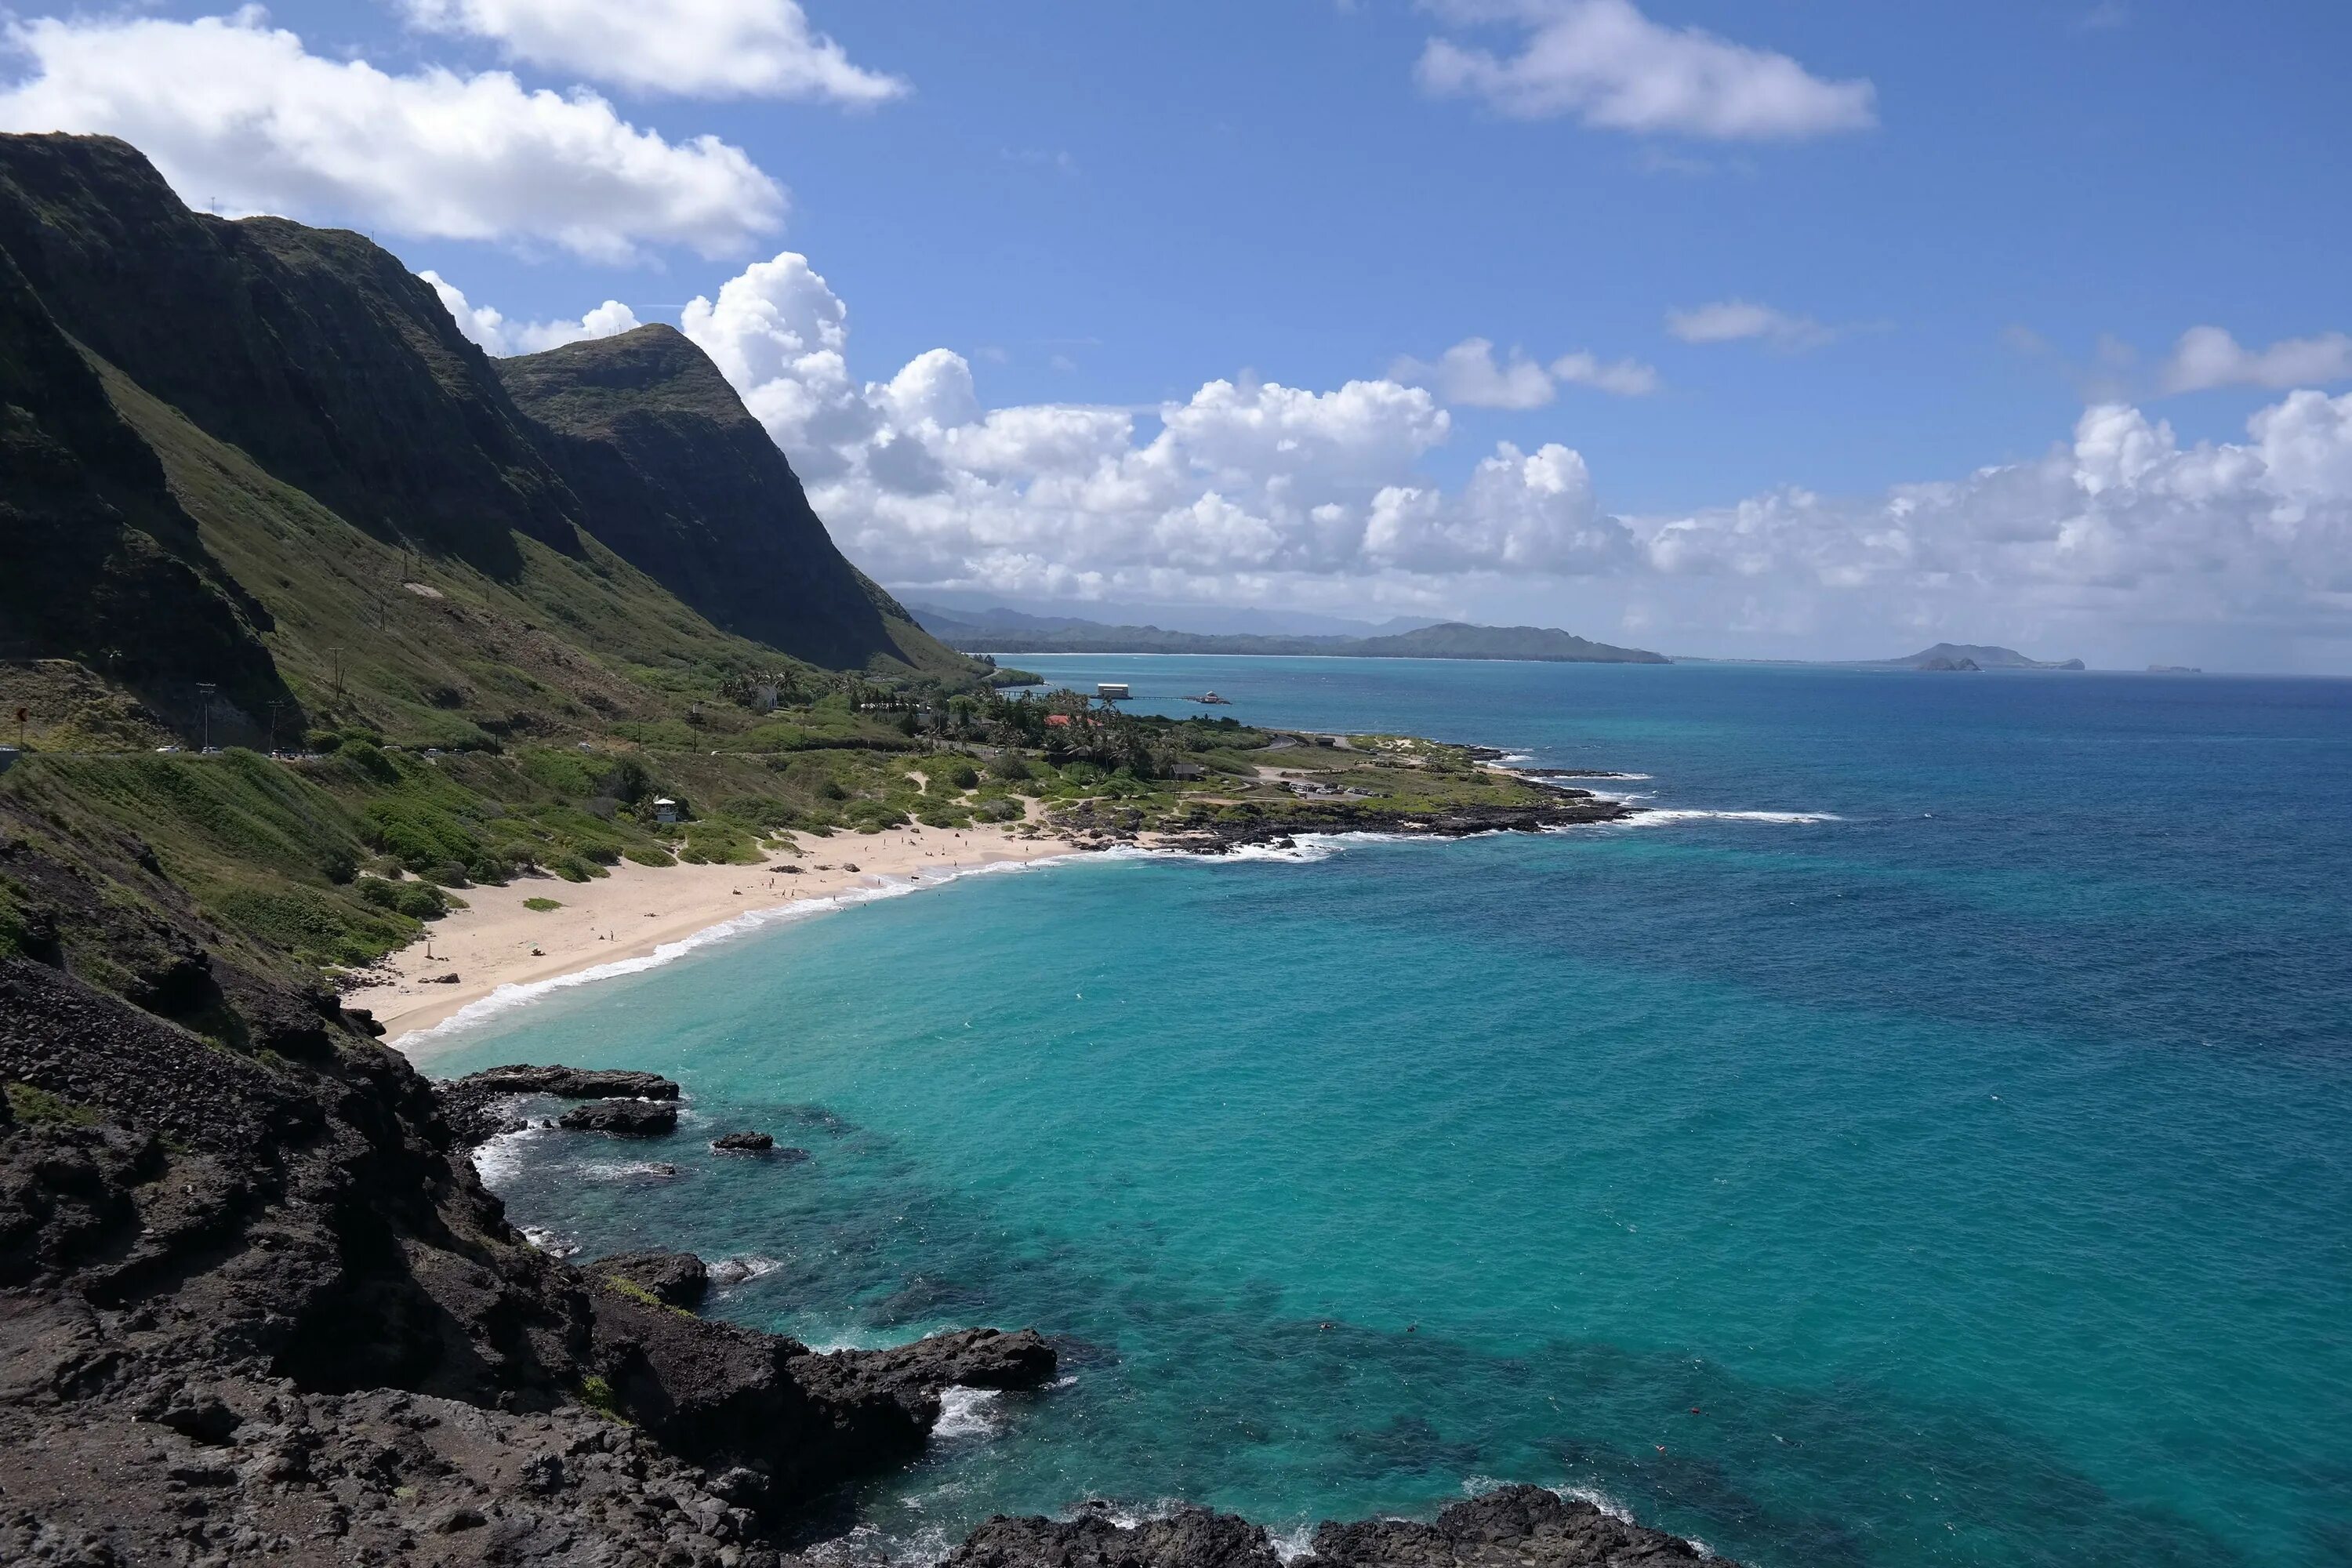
[(542, 905), (965, 777), (417, 900)]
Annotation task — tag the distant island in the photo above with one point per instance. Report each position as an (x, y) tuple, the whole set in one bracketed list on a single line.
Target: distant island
[(1001, 631), (1943, 657), (1947, 656)]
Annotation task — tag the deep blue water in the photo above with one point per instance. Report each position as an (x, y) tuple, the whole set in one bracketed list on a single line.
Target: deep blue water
[(1961, 1178)]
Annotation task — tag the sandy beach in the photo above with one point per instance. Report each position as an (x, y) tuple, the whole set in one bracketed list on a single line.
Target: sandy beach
[(498, 939)]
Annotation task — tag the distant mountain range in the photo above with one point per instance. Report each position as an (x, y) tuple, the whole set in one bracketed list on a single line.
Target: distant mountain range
[(1209, 620), (1971, 656), (1010, 631)]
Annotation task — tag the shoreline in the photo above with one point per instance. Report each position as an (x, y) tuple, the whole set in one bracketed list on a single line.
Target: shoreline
[(498, 953), (642, 915)]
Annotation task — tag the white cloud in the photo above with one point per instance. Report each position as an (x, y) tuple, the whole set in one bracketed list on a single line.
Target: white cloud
[(712, 49), (2208, 357), (1469, 376), (2120, 533), (1244, 482), (501, 338), (1624, 377), (1737, 321), (240, 117), (1604, 62)]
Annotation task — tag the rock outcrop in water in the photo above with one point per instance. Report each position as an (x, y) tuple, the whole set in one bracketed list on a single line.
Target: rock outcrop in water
[(1517, 1527), (478, 1107), (622, 1118)]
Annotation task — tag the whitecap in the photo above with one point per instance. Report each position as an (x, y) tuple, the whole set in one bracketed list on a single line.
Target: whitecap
[(621, 1172), (1293, 1544), (967, 1413), (1598, 1499), (868, 1543), (1661, 817), (730, 1271), (550, 1242), (500, 1158)]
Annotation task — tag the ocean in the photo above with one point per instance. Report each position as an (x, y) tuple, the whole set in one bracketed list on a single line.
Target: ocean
[(1925, 1139)]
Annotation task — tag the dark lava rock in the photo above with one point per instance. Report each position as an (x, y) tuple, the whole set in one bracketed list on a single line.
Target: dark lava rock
[(622, 1118), (673, 1279), (1188, 1538), (569, 1083), (743, 1142), (1517, 1527), (477, 1107), (972, 1358)]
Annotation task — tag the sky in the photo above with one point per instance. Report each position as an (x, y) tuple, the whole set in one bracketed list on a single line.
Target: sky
[(1777, 329)]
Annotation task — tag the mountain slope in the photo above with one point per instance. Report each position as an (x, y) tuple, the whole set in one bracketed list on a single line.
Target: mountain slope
[(680, 480), (261, 455), (99, 563), (314, 350)]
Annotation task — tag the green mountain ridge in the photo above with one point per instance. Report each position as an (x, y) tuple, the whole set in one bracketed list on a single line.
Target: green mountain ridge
[(977, 633), (261, 455)]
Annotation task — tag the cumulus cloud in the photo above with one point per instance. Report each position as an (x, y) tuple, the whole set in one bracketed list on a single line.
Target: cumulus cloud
[(1737, 321), (1611, 67), (710, 48), (2121, 528), (2208, 357), (241, 116), (502, 339), (1469, 376), (1245, 482)]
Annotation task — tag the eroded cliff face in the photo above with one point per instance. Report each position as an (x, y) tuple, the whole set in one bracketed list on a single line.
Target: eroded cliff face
[(99, 563), (314, 351), (679, 479)]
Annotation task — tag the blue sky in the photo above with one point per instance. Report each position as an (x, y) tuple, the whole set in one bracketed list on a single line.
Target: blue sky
[(1952, 234)]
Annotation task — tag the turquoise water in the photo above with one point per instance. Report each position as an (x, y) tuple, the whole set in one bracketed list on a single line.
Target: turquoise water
[(1959, 1178)]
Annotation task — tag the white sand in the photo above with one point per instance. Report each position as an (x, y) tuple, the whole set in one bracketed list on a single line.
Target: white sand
[(496, 941)]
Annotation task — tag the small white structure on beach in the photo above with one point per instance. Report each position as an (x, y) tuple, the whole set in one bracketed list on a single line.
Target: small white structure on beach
[(664, 809)]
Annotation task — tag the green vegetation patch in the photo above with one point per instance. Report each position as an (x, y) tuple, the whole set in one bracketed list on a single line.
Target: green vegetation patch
[(36, 1105), (542, 905)]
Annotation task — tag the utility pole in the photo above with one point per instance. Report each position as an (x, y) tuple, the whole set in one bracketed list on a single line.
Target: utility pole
[(204, 689), (273, 726)]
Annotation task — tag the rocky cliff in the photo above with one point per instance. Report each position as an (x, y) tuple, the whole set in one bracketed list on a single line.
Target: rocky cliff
[(683, 483)]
